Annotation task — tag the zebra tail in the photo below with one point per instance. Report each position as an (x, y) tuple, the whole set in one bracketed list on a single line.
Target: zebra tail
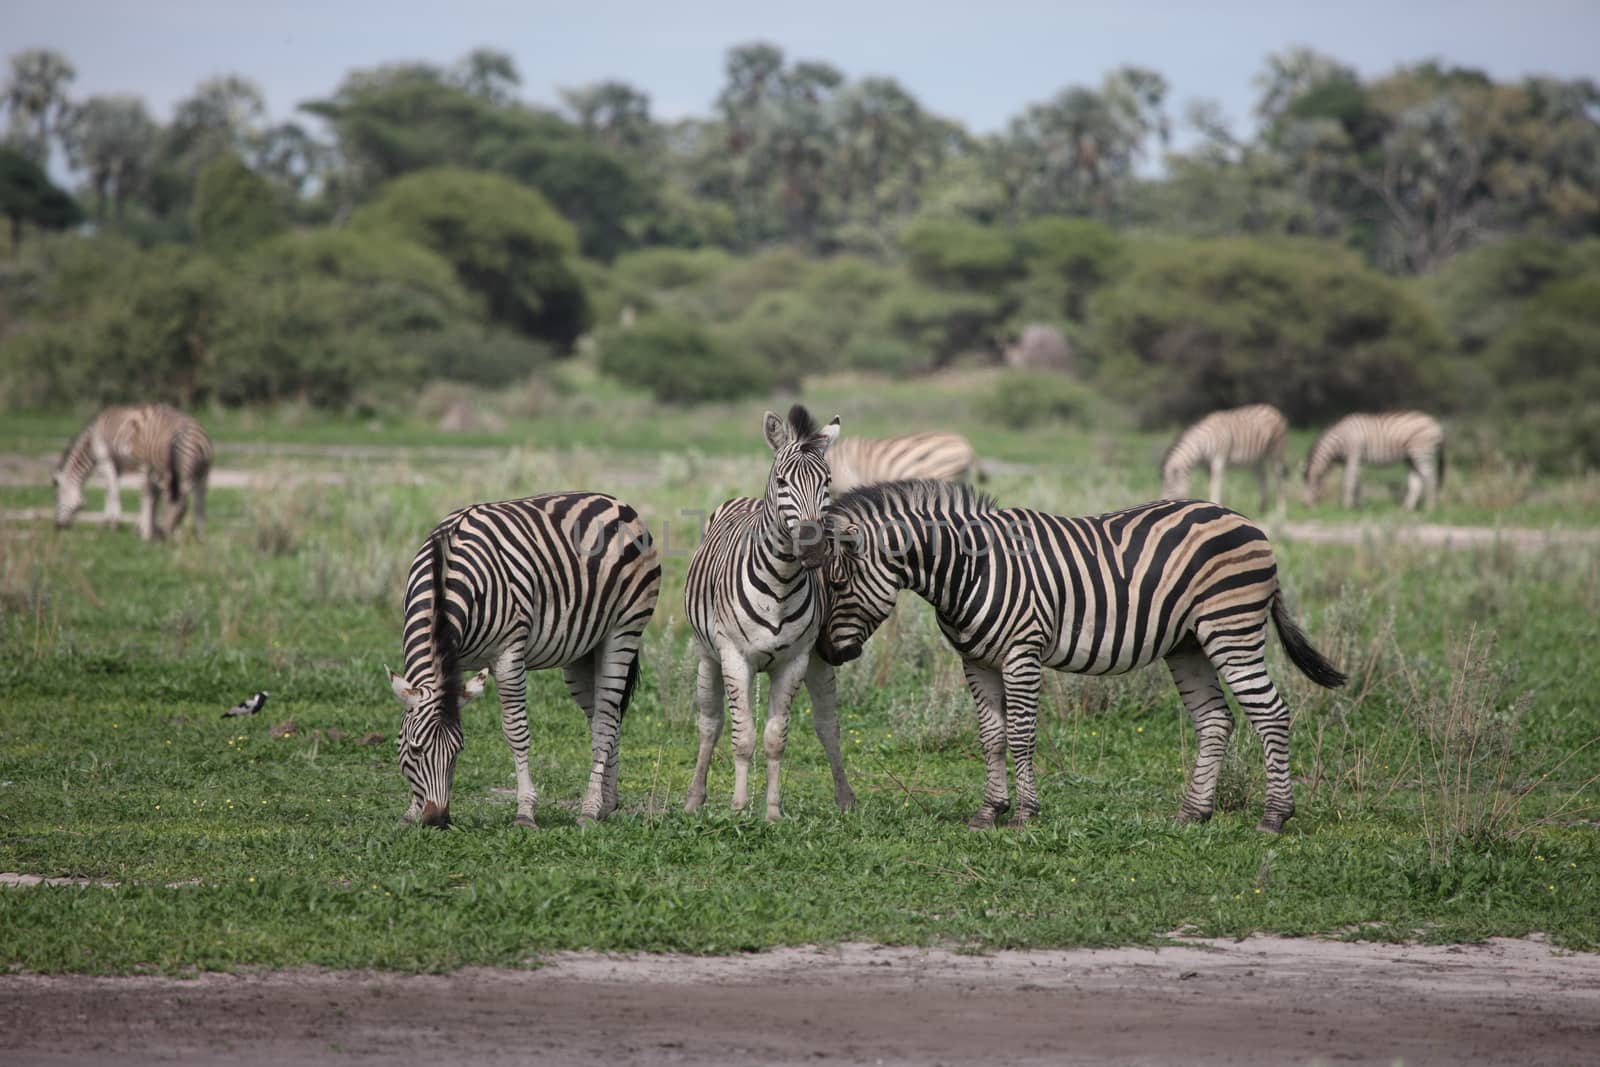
[(1440, 483), (449, 682), (1312, 664), (173, 482)]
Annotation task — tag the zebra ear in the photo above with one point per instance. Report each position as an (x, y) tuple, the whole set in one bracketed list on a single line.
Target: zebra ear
[(827, 436), (776, 431), (403, 689), (474, 687)]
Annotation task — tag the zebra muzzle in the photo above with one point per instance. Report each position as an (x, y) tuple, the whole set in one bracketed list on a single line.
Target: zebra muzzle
[(811, 544), (435, 816)]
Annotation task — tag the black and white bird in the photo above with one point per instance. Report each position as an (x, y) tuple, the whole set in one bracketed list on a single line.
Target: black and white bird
[(247, 707)]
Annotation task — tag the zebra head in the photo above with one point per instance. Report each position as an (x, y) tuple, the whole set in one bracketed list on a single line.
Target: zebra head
[(69, 497), (797, 487), (859, 591), (430, 741)]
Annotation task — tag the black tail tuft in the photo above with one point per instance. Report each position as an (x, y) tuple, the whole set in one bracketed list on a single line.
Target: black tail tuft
[(1440, 483), (173, 482), (629, 686), (1311, 662), (443, 640)]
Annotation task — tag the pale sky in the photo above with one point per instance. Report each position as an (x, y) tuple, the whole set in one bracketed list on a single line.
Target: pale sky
[(979, 62)]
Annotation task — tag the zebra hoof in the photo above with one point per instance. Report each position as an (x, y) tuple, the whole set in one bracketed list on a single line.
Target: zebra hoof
[(586, 821), (1272, 823), (981, 821), (846, 801), (1196, 817), (525, 821)]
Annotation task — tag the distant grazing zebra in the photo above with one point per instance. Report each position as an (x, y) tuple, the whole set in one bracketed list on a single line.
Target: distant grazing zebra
[(933, 454), (1410, 436), (754, 603), (1251, 436), (1018, 590), (172, 450), (563, 580)]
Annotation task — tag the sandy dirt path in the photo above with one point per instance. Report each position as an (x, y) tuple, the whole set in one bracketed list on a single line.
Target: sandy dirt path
[(1261, 1001)]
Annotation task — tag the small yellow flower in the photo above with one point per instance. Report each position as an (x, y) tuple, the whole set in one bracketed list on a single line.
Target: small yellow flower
[(252, 878), (1551, 888), (158, 807), (1074, 881), (1258, 891), (1138, 729), (1539, 858)]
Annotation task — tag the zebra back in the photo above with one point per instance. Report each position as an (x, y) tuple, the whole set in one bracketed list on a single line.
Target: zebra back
[(933, 454)]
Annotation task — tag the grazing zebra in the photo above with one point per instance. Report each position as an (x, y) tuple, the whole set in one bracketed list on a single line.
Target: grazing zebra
[(755, 606), (1410, 436), (1017, 590), (1252, 436), (857, 461), (563, 580), (172, 449)]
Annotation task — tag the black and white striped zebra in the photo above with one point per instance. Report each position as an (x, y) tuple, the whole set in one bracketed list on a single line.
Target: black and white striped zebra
[(753, 600), (1412, 437), (1249, 436), (169, 448), (858, 461), (1017, 590), (563, 580)]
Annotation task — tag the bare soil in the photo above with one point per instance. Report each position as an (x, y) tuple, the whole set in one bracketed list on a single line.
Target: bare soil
[(1260, 1001)]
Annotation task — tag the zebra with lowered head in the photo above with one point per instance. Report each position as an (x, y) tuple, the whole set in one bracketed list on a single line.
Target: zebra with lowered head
[(754, 603), (934, 454), (1249, 436), (1412, 437), (171, 449), (1017, 590), (563, 580)]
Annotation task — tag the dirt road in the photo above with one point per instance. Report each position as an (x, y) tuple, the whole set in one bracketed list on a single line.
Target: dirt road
[(1261, 1001)]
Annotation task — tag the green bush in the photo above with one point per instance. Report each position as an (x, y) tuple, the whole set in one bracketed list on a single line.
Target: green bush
[(234, 207), (790, 334), (504, 240), (943, 323), (1030, 398), (1074, 257), (1545, 369), (885, 355), (1198, 325), (680, 361), (960, 254)]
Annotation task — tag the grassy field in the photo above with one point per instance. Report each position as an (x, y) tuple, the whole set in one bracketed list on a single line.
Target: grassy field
[(1444, 795)]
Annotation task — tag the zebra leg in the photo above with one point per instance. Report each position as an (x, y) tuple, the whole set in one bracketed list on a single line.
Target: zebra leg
[(739, 682), (708, 693), (1253, 689), (1022, 674), (200, 508), (989, 694), (176, 510), (1219, 469), (1352, 480), (611, 668), (821, 685), (108, 466), (1430, 480), (1202, 695), (784, 681), (1413, 488), (511, 678), (147, 510)]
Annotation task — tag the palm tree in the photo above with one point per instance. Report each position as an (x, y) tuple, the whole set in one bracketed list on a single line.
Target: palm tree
[(35, 99)]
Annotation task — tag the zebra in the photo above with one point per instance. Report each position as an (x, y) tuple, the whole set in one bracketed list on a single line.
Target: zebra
[(755, 606), (563, 580), (857, 461), (1017, 590), (172, 449), (1252, 435), (1414, 437)]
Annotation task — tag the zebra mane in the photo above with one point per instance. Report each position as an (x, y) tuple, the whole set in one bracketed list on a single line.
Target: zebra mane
[(73, 447), (801, 423), (449, 681), (918, 494)]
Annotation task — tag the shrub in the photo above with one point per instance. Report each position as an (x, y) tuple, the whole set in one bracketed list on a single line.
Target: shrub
[(956, 253), (504, 240), (790, 335), (942, 323), (884, 355), (1030, 398), (234, 207), (680, 361), (1198, 325)]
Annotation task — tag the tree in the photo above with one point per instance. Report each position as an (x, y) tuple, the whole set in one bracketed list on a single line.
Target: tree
[(505, 241), (223, 115), (112, 140), (612, 113), (35, 98), (27, 196), (234, 207), (488, 74)]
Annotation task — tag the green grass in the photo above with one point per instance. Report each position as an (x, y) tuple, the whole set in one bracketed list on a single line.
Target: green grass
[(230, 847)]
